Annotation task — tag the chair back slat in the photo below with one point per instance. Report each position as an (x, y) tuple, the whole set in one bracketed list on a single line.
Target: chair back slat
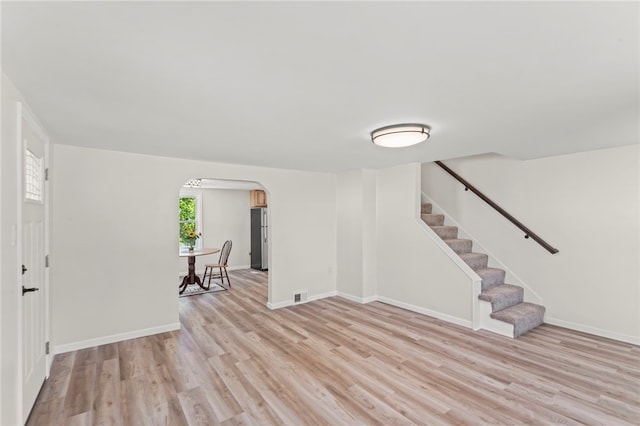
[(224, 253)]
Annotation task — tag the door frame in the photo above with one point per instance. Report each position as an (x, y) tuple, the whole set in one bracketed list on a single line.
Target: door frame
[(24, 114)]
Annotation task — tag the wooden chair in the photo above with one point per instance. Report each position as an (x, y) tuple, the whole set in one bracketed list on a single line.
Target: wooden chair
[(221, 266)]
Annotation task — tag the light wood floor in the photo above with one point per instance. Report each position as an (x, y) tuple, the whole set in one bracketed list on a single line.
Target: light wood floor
[(336, 362)]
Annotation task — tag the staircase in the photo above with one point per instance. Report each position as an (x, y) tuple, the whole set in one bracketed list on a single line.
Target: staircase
[(506, 300)]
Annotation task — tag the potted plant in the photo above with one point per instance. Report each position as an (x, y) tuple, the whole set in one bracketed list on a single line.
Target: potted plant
[(190, 239)]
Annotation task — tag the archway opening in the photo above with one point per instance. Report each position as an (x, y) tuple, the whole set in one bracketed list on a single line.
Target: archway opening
[(223, 232)]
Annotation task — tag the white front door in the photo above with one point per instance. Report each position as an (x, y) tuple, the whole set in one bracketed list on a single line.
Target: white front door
[(33, 259)]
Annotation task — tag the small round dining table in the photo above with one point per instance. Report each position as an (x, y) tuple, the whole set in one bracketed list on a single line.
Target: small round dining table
[(191, 277)]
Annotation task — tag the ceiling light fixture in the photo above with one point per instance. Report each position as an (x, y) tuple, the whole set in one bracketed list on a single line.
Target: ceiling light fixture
[(400, 135)]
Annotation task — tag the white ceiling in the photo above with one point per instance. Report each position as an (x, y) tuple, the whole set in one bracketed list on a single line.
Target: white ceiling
[(300, 85)]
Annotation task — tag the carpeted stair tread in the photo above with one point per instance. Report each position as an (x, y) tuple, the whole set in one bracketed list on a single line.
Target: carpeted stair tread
[(433, 219), (475, 260), (426, 208), (491, 277), (523, 316), (502, 296), (459, 245), (446, 232)]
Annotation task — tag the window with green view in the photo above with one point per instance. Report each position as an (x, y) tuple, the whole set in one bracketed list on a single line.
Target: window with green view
[(188, 218)]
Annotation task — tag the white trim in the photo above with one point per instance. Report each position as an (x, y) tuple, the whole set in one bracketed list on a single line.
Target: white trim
[(439, 315), (635, 340), (286, 303), (279, 305), (236, 268), (83, 344), (357, 299), (19, 363), (476, 310), (448, 250), (229, 268), (47, 252)]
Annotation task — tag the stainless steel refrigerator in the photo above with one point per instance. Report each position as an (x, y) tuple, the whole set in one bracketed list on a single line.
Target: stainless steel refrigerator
[(259, 239)]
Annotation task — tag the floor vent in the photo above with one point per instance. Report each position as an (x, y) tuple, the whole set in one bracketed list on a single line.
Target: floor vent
[(300, 297)]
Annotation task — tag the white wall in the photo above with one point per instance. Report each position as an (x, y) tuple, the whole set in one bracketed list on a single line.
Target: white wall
[(349, 211), (585, 204), (412, 270), (226, 215), (369, 235), (357, 252), (114, 257)]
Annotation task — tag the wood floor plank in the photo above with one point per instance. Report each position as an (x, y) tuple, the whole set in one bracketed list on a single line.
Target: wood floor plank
[(196, 407), (176, 363), (244, 392), (336, 362), (135, 410), (60, 375), (174, 413), (81, 389), (107, 399), (48, 412), (278, 398)]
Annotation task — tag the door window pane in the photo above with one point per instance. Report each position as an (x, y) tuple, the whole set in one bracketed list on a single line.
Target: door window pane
[(33, 176)]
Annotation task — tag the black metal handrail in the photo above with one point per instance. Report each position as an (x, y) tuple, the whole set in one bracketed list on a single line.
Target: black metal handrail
[(527, 232)]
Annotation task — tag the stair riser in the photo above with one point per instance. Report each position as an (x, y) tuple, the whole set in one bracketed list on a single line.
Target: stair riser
[(526, 322), (433, 219), (446, 232), (477, 263), (461, 246), (426, 208), (492, 280), (500, 304), (507, 301)]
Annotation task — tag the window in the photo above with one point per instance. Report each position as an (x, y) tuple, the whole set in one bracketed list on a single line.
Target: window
[(190, 217), (33, 181)]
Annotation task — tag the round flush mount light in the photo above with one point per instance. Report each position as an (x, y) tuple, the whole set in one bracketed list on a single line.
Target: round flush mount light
[(400, 135)]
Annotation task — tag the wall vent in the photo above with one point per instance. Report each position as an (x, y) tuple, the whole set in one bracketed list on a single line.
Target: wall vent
[(300, 296)]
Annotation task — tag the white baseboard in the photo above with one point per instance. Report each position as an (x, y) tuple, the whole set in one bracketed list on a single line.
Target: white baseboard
[(286, 303), (229, 268), (321, 296), (494, 326), (634, 340), (357, 299), (388, 301), (83, 344), (419, 309), (235, 268), (279, 305)]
